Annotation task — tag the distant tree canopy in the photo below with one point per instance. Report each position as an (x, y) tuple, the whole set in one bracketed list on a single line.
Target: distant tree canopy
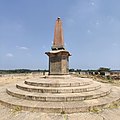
[(74, 70), (20, 71), (102, 69)]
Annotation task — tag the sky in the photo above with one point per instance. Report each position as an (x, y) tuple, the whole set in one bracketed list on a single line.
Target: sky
[(91, 32)]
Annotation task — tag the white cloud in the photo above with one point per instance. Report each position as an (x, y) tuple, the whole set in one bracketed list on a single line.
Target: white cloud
[(115, 44), (89, 31), (9, 55), (92, 3), (22, 47), (97, 23)]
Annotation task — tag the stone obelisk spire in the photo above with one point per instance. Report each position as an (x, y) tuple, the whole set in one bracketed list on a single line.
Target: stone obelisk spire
[(58, 42), (58, 57)]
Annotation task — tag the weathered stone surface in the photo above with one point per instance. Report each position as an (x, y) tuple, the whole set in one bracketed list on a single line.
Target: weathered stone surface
[(8, 114), (58, 62), (54, 81), (63, 97), (58, 42), (54, 109), (59, 89), (58, 57), (60, 102)]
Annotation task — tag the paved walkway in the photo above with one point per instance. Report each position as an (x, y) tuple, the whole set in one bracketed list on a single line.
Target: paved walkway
[(107, 114)]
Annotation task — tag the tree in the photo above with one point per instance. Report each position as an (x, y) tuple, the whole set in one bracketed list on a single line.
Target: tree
[(103, 69)]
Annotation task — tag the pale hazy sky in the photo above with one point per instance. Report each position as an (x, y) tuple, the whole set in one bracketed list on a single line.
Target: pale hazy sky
[(91, 32)]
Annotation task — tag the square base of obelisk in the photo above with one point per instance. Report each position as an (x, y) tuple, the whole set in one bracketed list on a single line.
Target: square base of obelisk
[(58, 62)]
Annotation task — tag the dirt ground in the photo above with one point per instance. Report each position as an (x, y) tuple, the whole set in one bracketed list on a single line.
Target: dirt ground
[(13, 78)]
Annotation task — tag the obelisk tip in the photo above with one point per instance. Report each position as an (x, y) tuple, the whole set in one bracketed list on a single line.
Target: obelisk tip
[(58, 18)]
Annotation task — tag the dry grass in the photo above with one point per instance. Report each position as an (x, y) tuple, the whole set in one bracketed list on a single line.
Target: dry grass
[(101, 79), (13, 78)]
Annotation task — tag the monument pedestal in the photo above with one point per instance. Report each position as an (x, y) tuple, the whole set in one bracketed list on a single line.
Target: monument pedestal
[(58, 62), (59, 92)]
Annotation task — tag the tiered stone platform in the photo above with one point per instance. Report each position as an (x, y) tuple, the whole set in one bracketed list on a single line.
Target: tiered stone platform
[(59, 94)]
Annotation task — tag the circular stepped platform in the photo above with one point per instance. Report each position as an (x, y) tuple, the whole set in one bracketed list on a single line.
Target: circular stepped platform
[(59, 107), (50, 82), (46, 97), (77, 89), (67, 95)]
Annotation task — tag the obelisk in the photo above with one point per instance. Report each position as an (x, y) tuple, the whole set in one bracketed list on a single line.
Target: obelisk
[(58, 57), (58, 42)]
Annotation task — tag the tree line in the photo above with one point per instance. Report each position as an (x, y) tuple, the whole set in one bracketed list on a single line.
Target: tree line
[(101, 69), (20, 71)]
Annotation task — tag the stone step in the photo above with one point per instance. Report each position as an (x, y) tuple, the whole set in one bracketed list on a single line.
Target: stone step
[(49, 82), (60, 107), (63, 97), (79, 89), (58, 76)]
